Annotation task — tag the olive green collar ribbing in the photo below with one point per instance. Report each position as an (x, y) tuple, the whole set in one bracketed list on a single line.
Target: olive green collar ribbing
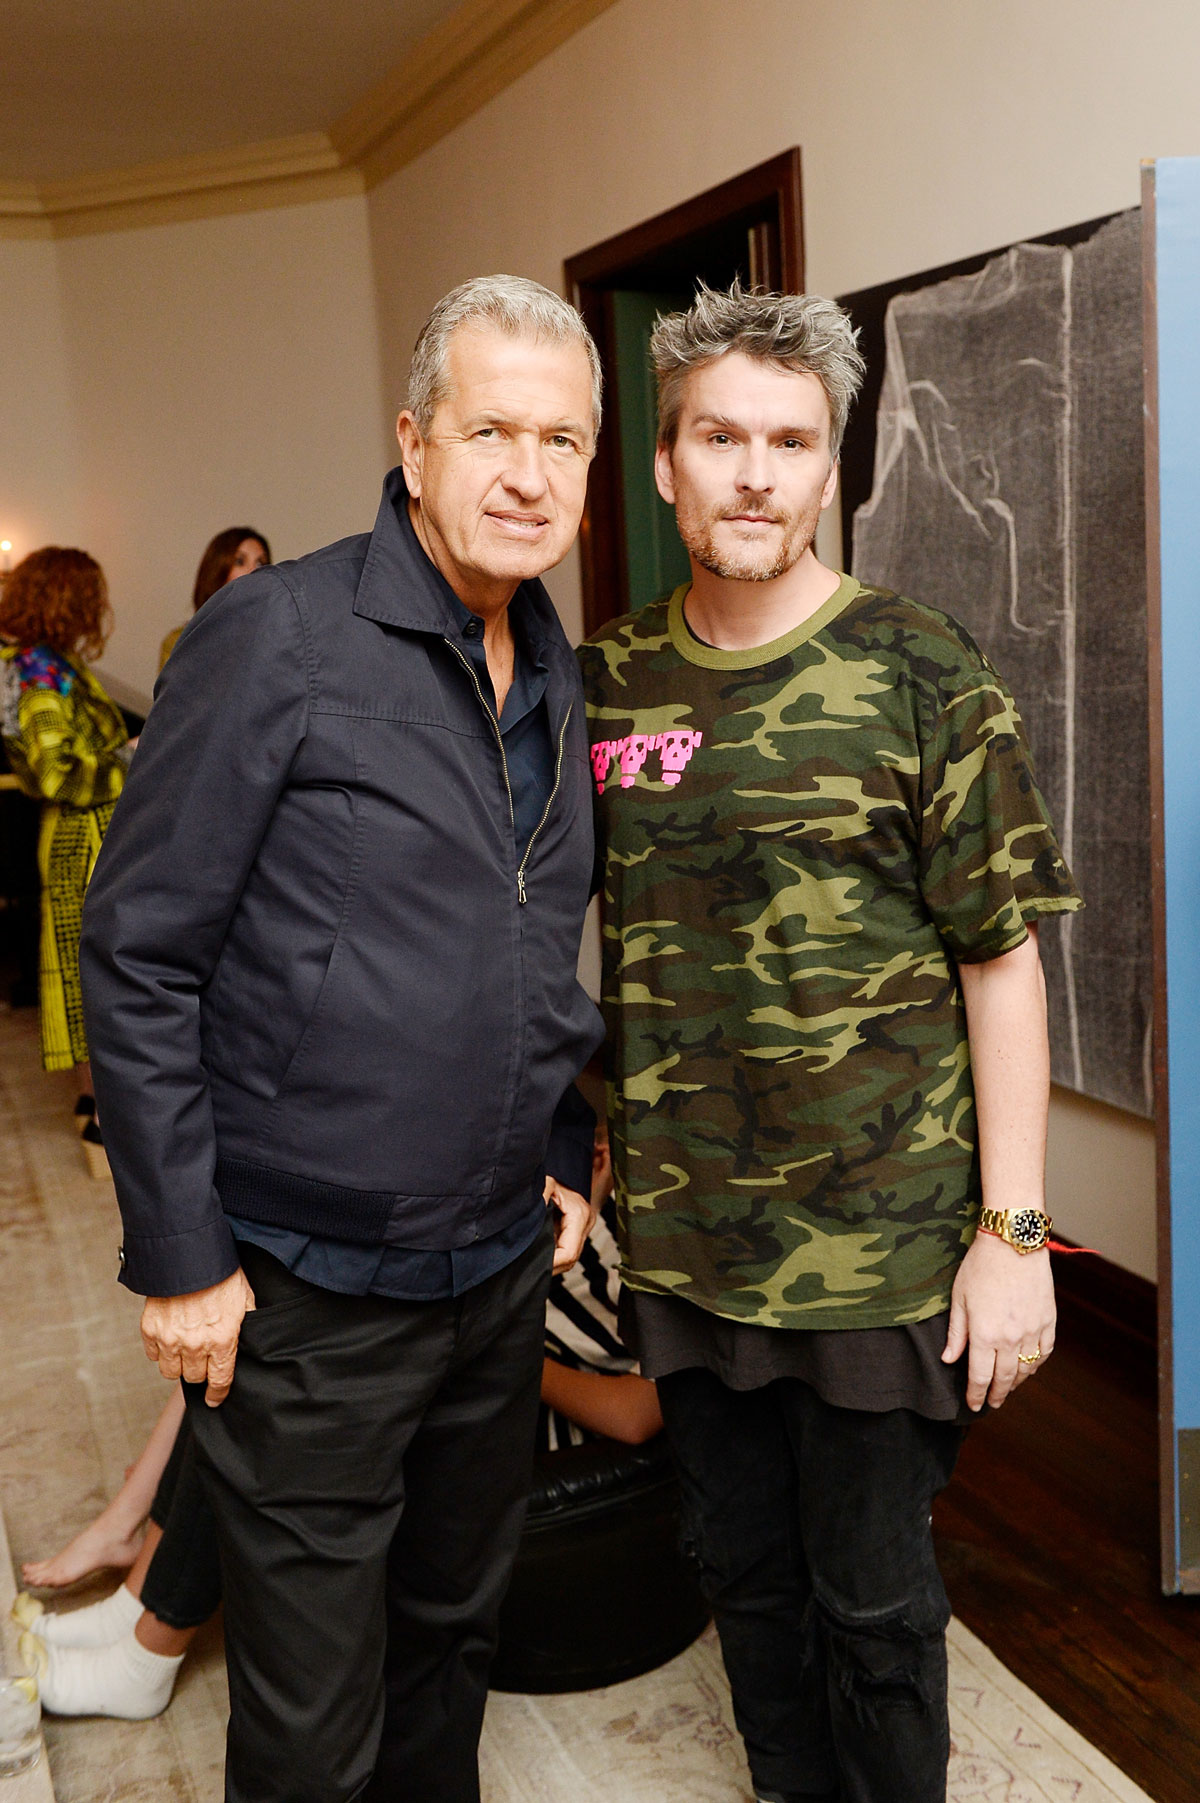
[(753, 656)]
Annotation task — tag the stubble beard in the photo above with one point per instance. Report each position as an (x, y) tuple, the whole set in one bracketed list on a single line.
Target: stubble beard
[(753, 563)]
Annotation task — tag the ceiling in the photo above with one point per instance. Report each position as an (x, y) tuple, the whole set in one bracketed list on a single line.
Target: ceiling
[(94, 87)]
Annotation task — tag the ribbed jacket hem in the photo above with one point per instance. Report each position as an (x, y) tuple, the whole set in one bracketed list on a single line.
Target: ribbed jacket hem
[(257, 1192)]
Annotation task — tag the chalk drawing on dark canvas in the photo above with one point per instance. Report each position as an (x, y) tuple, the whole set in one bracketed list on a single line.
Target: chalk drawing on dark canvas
[(1007, 488)]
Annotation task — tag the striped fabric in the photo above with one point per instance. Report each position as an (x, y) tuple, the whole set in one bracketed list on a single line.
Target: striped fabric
[(581, 1325)]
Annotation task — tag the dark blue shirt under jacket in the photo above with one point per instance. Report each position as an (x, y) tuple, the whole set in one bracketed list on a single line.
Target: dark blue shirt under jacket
[(414, 1274)]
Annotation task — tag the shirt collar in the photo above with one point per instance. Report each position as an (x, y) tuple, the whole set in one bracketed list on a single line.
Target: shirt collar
[(401, 586)]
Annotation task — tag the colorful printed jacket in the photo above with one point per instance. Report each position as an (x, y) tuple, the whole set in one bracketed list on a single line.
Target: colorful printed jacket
[(64, 736)]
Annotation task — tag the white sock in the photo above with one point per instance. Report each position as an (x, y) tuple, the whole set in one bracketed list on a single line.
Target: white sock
[(124, 1679), (97, 1625)]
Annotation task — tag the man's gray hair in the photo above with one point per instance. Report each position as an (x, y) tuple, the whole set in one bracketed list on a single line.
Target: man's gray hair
[(522, 308), (799, 332)]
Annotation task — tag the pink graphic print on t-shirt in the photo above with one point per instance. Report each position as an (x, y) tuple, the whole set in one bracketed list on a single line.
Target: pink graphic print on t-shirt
[(674, 749)]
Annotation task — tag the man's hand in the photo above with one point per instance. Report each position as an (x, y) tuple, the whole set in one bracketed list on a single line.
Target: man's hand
[(576, 1218), (1002, 1308), (195, 1337)]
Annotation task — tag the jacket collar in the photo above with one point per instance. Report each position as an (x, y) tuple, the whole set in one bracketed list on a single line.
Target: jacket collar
[(400, 586)]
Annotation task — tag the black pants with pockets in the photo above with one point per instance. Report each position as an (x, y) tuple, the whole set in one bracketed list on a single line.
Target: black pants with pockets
[(811, 1527), (369, 1473)]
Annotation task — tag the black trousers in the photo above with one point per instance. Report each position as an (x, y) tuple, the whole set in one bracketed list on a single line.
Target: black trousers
[(369, 1473), (811, 1528)]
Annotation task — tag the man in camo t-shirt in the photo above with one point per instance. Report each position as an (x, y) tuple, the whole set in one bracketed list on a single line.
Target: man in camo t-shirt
[(824, 852)]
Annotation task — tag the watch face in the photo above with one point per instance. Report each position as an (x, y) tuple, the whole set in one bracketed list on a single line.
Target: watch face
[(1028, 1227)]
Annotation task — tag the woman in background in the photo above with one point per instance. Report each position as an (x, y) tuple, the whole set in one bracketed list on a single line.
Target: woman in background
[(233, 553), (69, 748)]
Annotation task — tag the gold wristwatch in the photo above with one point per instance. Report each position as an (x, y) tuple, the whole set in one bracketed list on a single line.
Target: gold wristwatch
[(1025, 1229)]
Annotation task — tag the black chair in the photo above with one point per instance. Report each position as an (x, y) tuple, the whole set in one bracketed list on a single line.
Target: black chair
[(600, 1591)]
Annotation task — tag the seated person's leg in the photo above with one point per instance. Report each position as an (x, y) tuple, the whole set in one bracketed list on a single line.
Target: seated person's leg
[(99, 1624), (147, 1626), (114, 1537)]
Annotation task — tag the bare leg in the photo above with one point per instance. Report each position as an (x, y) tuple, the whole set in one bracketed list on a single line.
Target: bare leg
[(136, 1575), (115, 1537), (98, 1624), (157, 1637)]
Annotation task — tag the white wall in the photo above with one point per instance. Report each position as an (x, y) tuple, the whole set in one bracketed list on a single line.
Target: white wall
[(38, 467), (220, 372), (1100, 1180), (930, 130)]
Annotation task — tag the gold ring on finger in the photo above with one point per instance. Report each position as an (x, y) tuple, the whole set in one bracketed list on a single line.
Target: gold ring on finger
[(1029, 1358)]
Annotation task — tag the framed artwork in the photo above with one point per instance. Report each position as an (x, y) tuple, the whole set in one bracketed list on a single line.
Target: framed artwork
[(994, 468)]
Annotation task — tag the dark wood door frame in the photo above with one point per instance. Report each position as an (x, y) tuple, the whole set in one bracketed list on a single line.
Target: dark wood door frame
[(766, 203)]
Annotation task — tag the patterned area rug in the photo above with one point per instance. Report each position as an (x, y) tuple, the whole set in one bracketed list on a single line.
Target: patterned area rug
[(669, 1738), (79, 1400)]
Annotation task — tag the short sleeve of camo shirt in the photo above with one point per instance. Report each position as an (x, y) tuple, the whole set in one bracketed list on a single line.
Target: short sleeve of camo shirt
[(989, 858)]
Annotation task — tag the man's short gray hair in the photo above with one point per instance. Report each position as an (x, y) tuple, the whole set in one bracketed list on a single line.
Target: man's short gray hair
[(799, 332), (522, 308)]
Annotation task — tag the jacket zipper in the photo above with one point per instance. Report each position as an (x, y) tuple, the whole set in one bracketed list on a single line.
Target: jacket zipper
[(522, 895), (562, 737), (495, 724)]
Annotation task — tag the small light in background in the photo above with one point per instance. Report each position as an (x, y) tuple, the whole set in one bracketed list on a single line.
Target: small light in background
[(5, 555)]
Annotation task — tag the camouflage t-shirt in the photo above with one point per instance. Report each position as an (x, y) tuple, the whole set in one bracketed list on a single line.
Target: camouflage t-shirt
[(800, 843)]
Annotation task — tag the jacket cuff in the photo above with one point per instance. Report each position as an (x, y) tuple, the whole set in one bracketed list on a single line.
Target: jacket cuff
[(572, 1139), (178, 1264)]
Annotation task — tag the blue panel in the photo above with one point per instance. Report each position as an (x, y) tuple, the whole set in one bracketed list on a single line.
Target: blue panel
[(1177, 205)]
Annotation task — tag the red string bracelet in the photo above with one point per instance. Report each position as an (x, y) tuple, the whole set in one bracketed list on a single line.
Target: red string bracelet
[(1051, 1245)]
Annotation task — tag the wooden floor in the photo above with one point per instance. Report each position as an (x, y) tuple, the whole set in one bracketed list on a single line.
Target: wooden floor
[(1048, 1538)]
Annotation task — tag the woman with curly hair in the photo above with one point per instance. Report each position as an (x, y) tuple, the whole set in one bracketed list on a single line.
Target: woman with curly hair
[(232, 553), (69, 748)]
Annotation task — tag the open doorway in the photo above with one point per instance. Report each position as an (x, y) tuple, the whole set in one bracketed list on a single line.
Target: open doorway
[(751, 226)]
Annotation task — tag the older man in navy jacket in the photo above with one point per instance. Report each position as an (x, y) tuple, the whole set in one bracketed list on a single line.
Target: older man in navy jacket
[(329, 956)]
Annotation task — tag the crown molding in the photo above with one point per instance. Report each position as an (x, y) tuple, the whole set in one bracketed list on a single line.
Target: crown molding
[(476, 53), (278, 172), (251, 196), (309, 153), (20, 199), (481, 49), (21, 214)]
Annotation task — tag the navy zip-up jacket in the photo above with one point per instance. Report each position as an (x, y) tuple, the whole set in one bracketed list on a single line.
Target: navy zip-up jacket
[(322, 988)]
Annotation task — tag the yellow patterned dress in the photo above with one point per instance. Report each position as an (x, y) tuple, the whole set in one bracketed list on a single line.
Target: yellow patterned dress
[(66, 742)]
